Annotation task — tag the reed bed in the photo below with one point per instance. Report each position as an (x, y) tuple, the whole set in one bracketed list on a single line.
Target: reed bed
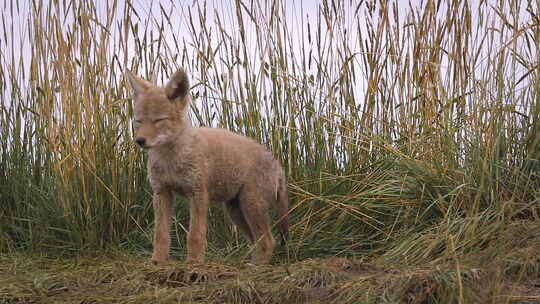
[(410, 134)]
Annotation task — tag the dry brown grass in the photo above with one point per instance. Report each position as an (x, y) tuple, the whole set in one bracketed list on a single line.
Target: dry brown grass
[(120, 278)]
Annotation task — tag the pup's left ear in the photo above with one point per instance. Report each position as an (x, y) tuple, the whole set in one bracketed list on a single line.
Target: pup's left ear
[(178, 85), (139, 85)]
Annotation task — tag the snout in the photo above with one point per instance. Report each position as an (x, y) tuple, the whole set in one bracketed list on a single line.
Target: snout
[(141, 141)]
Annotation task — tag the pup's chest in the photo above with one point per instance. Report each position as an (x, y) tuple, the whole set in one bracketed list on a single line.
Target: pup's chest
[(182, 177)]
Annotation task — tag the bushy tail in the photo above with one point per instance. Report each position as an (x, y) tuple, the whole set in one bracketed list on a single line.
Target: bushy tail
[(282, 209)]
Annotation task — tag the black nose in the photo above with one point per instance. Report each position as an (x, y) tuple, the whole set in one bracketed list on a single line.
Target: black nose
[(141, 141)]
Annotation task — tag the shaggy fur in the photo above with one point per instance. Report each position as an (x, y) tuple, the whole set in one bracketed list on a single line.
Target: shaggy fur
[(204, 165)]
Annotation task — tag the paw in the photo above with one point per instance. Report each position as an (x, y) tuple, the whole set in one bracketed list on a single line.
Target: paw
[(195, 260), (158, 262)]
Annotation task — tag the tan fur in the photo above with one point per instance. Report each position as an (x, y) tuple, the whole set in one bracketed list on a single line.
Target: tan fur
[(204, 165)]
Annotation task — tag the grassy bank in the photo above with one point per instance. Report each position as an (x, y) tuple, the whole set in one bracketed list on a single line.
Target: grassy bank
[(410, 135), (114, 277)]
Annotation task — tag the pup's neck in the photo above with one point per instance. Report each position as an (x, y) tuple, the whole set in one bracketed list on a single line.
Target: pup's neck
[(181, 142)]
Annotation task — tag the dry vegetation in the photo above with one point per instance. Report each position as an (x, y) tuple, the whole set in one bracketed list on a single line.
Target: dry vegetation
[(114, 277), (410, 136)]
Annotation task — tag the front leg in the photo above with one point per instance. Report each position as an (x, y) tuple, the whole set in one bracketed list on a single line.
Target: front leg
[(162, 201), (196, 238)]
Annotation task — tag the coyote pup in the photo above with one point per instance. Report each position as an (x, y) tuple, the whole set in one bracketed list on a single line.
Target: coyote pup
[(204, 164)]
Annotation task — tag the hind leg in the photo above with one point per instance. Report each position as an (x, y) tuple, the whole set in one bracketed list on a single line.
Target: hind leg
[(233, 208), (255, 211)]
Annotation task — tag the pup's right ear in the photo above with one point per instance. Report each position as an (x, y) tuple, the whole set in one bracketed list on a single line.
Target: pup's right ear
[(139, 85), (178, 85)]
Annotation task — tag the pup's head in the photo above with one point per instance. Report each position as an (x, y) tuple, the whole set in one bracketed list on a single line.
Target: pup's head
[(160, 114)]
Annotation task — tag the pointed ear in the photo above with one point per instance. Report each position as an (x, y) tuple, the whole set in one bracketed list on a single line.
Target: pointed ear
[(178, 85), (139, 85)]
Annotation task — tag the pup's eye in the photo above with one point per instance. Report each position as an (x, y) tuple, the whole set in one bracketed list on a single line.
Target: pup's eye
[(160, 119)]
